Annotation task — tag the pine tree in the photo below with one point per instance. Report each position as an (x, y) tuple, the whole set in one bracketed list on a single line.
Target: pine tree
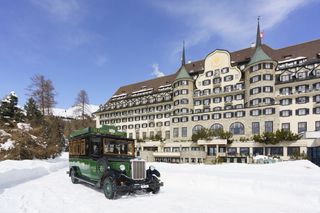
[(33, 113), (9, 110)]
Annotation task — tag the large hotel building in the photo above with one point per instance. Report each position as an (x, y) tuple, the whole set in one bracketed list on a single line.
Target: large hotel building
[(246, 92)]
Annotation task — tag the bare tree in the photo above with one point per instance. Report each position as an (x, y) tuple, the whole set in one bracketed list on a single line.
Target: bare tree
[(82, 102), (43, 92)]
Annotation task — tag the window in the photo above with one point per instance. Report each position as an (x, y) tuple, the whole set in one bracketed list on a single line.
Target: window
[(184, 131), (316, 98), (216, 116), (239, 97), (196, 128), (206, 82), (302, 75), (255, 91), (228, 78), (168, 134), (285, 126), (240, 114), (205, 117), (216, 127), (206, 102), (217, 72), (255, 102), (244, 151), (255, 112), (184, 101), (267, 66), (167, 123), (285, 102), (228, 98), (206, 92), (285, 113), (268, 100), (195, 118), (267, 89), (209, 73), (175, 120), (237, 128), (228, 88), (302, 100), (293, 151), (301, 88), (267, 77), (302, 127), (285, 91), (255, 128), (256, 68), (144, 125), (151, 124), (317, 126), (316, 110), (159, 124), (269, 126), (228, 115), (197, 102), (302, 111), (184, 119), (225, 70), (269, 111), (217, 100), (274, 151), (216, 80), (175, 132), (255, 78), (257, 151), (217, 90), (316, 86), (184, 91), (285, 78)]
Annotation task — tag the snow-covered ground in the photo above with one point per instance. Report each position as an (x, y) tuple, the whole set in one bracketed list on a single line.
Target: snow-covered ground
[(43, 186)]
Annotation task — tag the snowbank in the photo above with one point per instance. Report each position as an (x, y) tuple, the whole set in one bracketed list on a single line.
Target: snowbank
[(24, 126), (15, 172), (4, 133), (227, 188)]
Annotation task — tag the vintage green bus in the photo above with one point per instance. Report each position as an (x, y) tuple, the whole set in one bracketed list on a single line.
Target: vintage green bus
[(105, 158)]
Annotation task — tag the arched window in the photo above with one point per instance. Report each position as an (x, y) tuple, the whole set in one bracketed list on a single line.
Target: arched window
[(196, 128), (215, 127), (237, 128)]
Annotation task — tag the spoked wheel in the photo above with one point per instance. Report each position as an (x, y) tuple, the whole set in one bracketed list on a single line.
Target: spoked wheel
[(109, 188), (73, 176)]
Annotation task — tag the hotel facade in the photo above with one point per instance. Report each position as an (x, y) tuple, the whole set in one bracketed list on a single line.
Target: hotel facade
[(246, 92)]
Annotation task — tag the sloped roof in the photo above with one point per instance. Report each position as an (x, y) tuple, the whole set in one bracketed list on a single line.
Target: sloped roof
[(308, 49), (183, 73)]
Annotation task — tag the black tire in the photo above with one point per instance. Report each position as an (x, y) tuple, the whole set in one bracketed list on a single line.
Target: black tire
[(156, 189), (73, 174), (109, 188), (101, 167)]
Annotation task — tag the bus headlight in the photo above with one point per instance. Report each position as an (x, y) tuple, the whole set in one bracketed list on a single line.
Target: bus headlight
[(152, 168), (122, 167)]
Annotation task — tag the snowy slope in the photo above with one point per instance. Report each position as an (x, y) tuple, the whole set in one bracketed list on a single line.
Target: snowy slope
[(72, 112), (282, 187)]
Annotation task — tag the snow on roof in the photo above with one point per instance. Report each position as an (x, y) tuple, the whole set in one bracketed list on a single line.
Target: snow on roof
[(292, 59)]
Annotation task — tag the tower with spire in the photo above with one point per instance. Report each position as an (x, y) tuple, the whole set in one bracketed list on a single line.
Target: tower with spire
[(182, 100), (260, 76)]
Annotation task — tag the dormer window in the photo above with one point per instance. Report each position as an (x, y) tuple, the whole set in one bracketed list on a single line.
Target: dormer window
[(284, 78)]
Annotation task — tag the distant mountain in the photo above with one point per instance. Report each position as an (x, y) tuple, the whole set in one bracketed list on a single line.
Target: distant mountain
[(73, 112)]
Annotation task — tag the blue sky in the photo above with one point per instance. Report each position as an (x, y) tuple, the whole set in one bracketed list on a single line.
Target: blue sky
[(100, 45)]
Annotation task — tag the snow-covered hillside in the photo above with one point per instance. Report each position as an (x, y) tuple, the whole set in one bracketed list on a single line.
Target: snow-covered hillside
[(43, 186), (72, 112)]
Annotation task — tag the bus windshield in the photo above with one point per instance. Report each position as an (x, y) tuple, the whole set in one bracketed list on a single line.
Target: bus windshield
[(117, 147)]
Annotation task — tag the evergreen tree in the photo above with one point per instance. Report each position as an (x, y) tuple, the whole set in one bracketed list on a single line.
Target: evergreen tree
[(33, 113), (9, 110)]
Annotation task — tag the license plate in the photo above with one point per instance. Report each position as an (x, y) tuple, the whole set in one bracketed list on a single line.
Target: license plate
[(144, 186)]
